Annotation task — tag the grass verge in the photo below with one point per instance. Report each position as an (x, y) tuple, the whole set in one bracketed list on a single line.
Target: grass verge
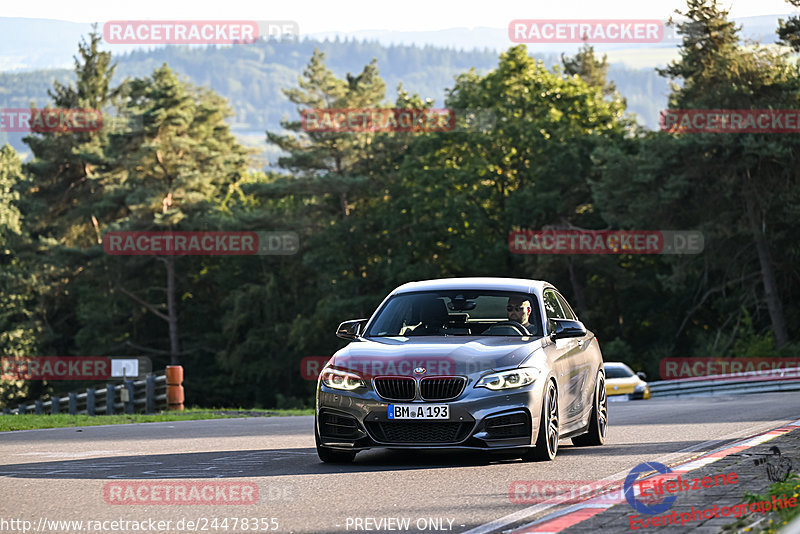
[(31, 422), (790, 488)]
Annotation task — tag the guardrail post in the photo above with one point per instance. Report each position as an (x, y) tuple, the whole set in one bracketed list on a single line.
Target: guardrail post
[(21, 409), (128, 386), (109, 399), (150, 394), (6, 411), (38, 405), (174, 387), (54, 402), (90, 401), (73, 403)]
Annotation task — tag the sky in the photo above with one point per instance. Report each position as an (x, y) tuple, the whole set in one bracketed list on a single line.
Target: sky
[(352, 15)]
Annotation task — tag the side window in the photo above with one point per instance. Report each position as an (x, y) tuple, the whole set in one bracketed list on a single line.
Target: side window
[(568, 313), (552, 308)]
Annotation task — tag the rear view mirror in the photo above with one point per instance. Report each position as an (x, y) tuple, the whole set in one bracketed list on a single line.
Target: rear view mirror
[(641, 375), (564, 328), (351, 329)]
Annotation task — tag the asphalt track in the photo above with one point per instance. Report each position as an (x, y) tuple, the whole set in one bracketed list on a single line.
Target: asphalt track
[(60, 474)]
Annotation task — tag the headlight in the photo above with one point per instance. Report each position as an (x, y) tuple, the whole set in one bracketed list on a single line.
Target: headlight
[(336, 379), (515, 378), (640, 388)]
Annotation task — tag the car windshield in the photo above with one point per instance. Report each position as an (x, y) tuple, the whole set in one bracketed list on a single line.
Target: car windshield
[(618, 371), (454, 313)]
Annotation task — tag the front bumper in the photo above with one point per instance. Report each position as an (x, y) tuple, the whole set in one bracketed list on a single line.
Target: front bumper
[(479, 419)]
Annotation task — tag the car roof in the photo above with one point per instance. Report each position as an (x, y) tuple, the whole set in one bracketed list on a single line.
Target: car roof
[(521, 285), (617, 364)]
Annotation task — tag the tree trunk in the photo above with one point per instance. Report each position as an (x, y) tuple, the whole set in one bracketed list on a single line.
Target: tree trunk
[(172, 312), (771, 294), (577, 289)]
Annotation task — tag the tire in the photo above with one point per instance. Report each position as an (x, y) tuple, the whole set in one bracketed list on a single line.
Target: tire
[(598, 424), (332, 456), (547, 438)]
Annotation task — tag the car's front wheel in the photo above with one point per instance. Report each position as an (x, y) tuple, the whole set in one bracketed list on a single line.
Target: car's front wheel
[(598, 425), (332, 456), (547, 438)]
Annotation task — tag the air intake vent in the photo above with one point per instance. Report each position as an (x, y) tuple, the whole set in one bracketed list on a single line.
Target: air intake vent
[(441, 388), (396, 388), (418, 432)]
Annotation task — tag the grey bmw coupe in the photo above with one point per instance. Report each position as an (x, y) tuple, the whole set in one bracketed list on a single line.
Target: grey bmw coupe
[(463, 363)]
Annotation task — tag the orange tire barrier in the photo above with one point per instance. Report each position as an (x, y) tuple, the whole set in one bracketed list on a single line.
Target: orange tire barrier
[(174, 387)]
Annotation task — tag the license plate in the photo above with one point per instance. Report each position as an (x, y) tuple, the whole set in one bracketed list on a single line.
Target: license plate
[(419, 411)]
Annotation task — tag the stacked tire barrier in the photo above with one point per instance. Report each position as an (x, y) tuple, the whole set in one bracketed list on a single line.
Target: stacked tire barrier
[(174, 387)]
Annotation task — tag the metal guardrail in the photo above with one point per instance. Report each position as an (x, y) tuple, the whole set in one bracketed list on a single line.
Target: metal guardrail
[(731, 384), (148, 396)]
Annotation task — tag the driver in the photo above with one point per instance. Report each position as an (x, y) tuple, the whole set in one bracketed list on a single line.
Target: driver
[(519, 310)]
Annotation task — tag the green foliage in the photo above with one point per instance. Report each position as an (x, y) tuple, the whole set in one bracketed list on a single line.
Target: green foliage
[(790, 488), (377, 209)]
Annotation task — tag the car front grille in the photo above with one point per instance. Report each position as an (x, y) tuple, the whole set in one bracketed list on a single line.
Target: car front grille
[(418, 432), (396, 388), (337, 426), (508, 426), (441, 388)]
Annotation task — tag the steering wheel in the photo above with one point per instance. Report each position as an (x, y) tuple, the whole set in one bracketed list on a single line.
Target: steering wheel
[(513, 324)]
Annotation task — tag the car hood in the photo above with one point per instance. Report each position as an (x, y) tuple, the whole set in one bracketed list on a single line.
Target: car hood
[(618, 386), (462, 355)]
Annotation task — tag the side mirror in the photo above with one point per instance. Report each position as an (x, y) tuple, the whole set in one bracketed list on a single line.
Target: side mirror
[(351, 329), (563, 328), (641, 375)]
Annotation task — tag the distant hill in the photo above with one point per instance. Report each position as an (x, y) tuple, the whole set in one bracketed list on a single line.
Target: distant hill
[(35, 52), (252, 76), (31, 44)]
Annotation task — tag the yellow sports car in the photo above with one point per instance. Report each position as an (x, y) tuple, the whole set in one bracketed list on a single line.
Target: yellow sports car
[(621, 380)]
